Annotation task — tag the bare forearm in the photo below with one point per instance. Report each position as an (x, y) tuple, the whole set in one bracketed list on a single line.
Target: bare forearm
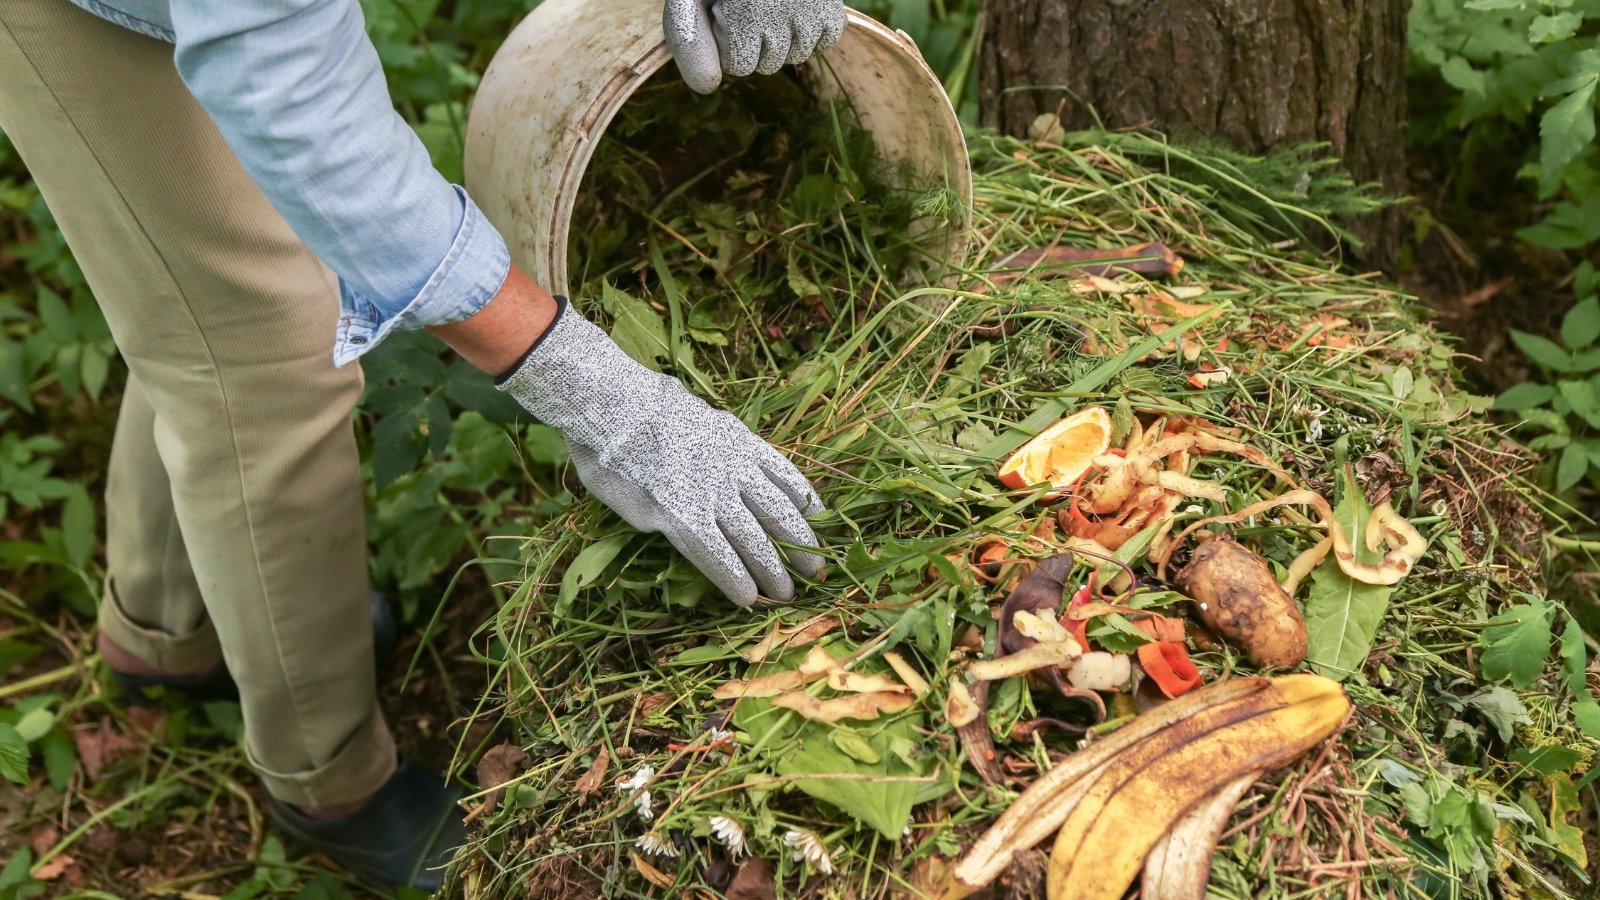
[(499, 334)]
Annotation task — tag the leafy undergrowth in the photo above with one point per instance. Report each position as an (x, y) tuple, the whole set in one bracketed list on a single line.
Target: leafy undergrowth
[(1463, 769)]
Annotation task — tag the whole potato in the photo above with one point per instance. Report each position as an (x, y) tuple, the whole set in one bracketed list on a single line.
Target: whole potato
[(1243, 604)]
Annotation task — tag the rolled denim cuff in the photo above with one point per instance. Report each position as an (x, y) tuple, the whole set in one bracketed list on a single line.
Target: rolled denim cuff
[(463, 283)]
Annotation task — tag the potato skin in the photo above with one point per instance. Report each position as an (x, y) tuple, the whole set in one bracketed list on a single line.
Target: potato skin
[(1243, 604)]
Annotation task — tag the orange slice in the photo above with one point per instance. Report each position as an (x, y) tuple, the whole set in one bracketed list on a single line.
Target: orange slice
[(1060, 454)]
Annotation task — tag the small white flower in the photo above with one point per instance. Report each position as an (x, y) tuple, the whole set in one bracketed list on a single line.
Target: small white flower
[(641, 802), (653, 845), (730, 833), (807, 847), (637, 780)]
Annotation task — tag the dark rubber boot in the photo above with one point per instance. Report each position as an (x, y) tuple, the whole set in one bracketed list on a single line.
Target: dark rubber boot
[(218, 684), (403, 838)]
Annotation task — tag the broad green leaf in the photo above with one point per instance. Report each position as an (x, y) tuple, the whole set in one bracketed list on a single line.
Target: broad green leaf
[(1496, 4), (60, 756), (397, 445), (1517, 642), (14, 375), (14, 653), (1581, 325), (35, 724), (1559, 27), (587, 568), (78, 526), (1583, 396), (1574, 662), (1569, 226), (57, 316), (637, 328), (96, 365), (1574, 463), (13, 755), (1342, 614), (16, 870), (1523, 396), (1543, 351), (1564, 131), (1502, 708), (1547, 760), (1460, 74)]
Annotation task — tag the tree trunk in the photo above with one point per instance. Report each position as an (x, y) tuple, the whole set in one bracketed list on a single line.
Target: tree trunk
[(1258, 74)]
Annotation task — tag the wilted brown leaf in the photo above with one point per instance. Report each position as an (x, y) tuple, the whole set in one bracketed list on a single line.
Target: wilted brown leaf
[(853, 706), (857, 683), (55, 868), (791, 638), (652, 874), (498, 765), (43, 838), (754, 881), (595, 777), (100, 744)]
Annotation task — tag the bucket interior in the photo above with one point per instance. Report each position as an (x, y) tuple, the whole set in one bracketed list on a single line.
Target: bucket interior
[(771, 188)]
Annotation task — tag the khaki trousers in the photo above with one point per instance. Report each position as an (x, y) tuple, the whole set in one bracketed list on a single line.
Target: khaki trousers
[(234, 509)]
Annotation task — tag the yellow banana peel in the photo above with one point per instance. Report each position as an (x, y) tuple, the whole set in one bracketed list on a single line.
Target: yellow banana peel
[(1147, 790), (1204, 737), (1179, 867)]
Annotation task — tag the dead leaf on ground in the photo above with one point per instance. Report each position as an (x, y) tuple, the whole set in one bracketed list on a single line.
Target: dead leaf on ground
[(100, 744), (857, 683), (498, 765), (754, 881), (780, 638), (652, 874), (43, 838), (852, 706), (55, 868), (595, 777)]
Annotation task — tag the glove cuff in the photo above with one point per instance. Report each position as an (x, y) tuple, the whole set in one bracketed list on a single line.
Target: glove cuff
[(578, 380)]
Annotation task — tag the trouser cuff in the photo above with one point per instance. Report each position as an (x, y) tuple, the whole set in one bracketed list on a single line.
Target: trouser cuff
[(355, 772), (194, 653)]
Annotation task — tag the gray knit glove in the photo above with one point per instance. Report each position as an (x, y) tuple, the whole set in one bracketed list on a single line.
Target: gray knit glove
[(667, 461), (743, 36)]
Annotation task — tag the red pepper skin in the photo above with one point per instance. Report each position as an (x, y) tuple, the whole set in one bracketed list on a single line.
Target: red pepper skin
[(1168, 664)]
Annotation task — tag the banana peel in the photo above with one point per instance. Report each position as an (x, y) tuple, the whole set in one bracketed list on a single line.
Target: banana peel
[(1179, 867), (1117, 798), (1146, 791)]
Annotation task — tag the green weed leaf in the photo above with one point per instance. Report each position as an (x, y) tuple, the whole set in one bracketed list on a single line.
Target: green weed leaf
[(78, 526), (1501, 708), (1517, 642), (1342, 614), (587, 568), (1581, 325), (13, 755), (1564, 131), (1574, 463), (1574, 666), (1559, 27), (1543, 351), (637, 328), (1525, 396)]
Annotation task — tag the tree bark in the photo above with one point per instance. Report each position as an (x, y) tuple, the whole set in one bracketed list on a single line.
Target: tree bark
[(1257, 74)]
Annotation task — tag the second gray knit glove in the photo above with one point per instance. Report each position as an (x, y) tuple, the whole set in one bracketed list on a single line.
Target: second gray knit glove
[(667, 461), (738, 37)]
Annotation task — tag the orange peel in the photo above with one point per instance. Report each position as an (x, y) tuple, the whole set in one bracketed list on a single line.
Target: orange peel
[(1060, 454)]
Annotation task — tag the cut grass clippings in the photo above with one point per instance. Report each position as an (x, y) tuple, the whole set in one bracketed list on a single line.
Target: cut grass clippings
[(1452, 778)]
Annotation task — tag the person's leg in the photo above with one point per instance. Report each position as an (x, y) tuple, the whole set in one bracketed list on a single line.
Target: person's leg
[(152, 617), (226, 321)]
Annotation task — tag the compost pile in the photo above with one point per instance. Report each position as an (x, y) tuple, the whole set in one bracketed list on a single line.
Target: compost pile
[(1150, 531)]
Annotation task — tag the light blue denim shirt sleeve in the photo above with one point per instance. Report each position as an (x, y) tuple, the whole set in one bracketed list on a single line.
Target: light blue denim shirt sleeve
[(297, 91)]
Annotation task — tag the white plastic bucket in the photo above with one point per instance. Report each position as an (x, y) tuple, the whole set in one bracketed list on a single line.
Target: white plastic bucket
[(555, 84)]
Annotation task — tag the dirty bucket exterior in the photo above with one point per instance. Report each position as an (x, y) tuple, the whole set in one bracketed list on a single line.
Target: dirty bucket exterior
[(561, 76)]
